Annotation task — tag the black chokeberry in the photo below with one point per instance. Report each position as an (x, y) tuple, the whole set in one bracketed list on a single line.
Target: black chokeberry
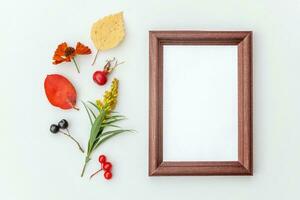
[(54, 128), (63, 124)]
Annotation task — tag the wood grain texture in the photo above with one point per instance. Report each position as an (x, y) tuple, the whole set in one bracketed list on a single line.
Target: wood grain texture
[(244, 165)]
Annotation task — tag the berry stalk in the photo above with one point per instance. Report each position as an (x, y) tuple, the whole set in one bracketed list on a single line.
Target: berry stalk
[(68, 135), (96, 172), (63, 124)]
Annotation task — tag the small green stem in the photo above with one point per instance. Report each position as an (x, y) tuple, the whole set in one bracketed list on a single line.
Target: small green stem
[(73, 59), (87, 159)]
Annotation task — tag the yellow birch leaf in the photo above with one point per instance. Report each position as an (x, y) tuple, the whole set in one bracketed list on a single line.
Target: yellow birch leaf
[(108, 32)]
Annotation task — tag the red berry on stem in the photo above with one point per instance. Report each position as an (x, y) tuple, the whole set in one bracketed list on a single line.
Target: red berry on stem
[(100, 77), (107, 175), (102, 159), (107, 166)]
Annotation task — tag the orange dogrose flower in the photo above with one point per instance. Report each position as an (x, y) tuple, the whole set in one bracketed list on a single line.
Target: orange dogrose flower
[(64, 53)]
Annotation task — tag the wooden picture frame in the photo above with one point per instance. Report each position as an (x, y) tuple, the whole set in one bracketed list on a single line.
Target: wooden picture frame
[(157, 165)]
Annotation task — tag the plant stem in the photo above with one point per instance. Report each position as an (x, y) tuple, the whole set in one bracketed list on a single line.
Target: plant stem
[(75, 108), (68, 135), (95, 57), (96, 173), (73, 59), (87, 159)]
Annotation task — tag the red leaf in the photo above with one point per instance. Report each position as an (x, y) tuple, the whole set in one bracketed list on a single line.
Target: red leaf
[(60, 91)]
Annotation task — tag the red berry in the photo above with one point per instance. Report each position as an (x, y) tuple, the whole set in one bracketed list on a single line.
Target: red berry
[(107, 175), (107, 166), (100, 77), (102, 159)]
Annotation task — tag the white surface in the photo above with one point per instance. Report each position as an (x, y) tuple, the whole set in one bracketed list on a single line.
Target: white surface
[(200, 103), (36, 165)]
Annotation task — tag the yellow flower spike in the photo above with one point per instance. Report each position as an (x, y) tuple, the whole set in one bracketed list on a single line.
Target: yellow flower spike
[(99, 104), (109, 101)]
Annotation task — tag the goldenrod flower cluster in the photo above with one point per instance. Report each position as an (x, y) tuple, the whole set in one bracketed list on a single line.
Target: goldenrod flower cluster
[(109, 101)]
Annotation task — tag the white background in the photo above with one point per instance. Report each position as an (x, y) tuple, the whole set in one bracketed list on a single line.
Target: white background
[(37, 165), (200, 103)]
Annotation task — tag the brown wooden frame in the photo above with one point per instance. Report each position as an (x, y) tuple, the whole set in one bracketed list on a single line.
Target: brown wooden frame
[(243, 39)]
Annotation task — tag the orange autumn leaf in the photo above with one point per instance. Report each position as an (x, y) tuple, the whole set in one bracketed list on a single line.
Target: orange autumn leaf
[(60, 91)]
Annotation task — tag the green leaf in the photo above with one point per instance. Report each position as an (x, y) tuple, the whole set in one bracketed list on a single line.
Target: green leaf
[(95, 130), (92, 112), (105, 125), (107, 122), (109, 134), (110, 125), (94, 105), (115, 116), (85, 106), (114, 132), (99, 133)]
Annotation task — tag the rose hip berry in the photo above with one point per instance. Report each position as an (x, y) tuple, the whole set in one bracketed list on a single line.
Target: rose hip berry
[(100, 77)]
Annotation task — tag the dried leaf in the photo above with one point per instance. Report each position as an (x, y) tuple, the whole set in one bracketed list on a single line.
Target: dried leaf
[(108, 32)]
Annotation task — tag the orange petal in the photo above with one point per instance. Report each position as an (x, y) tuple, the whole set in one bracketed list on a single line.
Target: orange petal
[(82, 49), (61, 49), (68, 59), (57, 62), (58, 59)]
